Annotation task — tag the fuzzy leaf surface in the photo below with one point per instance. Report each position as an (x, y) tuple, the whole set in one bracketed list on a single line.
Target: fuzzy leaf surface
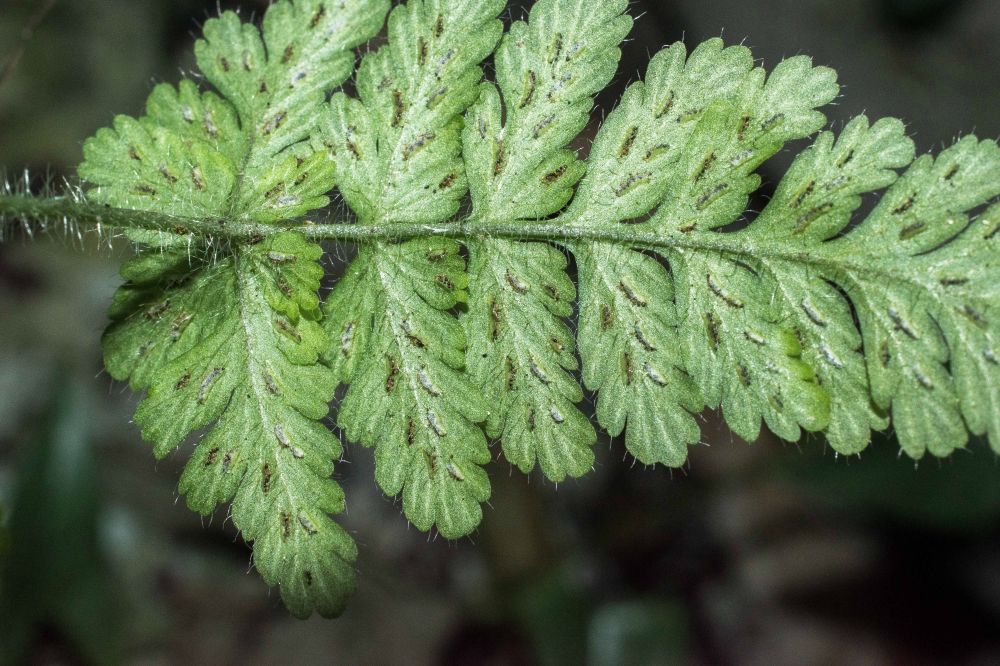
[(397, 146), (409, 396), (473, 213), (668, 149), (402, 353), (520, 349), (924, 284), (229, 341), (918, 276), (233, 347), (244, 154), (765, 314)]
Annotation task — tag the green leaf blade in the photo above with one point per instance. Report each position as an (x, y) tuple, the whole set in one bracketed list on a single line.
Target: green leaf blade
[(523, 353), (276, 76), (741, 353), (519, 168), (684, 145), (250, 374), (814, 202), (967, 274), (409, 397), (246, 155), (628, 343), (161, 162), (548, 70), (398, 147), (913, 325)]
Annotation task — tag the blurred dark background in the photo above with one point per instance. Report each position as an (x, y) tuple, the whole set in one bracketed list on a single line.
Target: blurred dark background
[(762, 554)]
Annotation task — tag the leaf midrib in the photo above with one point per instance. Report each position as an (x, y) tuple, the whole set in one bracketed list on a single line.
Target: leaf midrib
[(411, 367), (52, 212), (244, 288)]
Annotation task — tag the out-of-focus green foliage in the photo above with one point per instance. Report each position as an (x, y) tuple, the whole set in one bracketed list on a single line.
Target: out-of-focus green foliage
[(54, 573), (4, 539), (639, 633), (960, 494)]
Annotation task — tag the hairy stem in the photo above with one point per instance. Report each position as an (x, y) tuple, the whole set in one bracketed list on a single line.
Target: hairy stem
[(52, 213)]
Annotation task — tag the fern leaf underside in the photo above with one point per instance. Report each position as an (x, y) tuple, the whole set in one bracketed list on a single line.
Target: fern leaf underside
[(803, 318)]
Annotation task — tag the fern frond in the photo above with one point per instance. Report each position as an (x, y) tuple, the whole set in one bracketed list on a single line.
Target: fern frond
[(521, 352), (920, 278), (234, 347), (243, 155), (686, 142), (402, 354), (233, 344), (801, 318)]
